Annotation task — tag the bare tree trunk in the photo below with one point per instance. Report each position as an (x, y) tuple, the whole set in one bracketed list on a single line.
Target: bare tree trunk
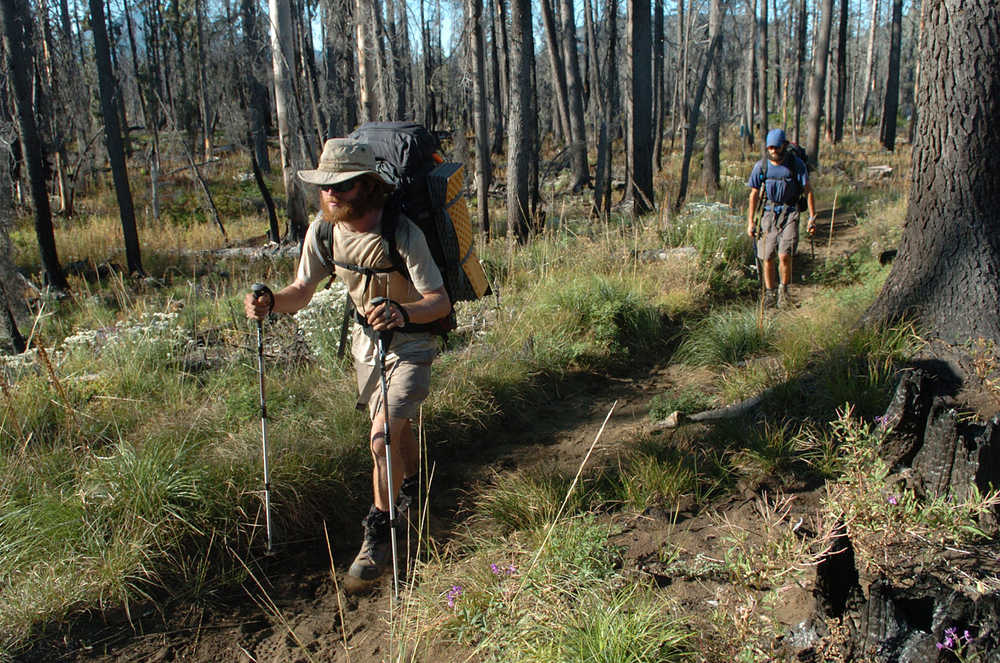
[(640, 108), (483, 171), (113, 139), (887, 135), (282, 54), (605, 91), (748, 114), (870, 69), (16, 21), (841, 102), (574, 88), (818, 83), (944, 277), (257, 97), (762, 107), (498, 44), (710, 158), (800, 56), (367, 77), (659, 94), (522, 186), (205, 111)]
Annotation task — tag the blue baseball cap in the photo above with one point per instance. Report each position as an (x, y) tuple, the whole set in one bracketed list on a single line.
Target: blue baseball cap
[(776, 138)]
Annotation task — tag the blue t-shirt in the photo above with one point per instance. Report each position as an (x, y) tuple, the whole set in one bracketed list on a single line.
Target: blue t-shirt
[(785, 182)]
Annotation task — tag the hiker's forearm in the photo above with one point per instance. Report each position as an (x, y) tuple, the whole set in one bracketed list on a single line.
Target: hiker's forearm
[(293, 297), (432, 306)]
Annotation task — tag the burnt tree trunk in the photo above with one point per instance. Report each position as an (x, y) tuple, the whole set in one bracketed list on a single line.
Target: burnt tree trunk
[(887, 135), (945, 276)]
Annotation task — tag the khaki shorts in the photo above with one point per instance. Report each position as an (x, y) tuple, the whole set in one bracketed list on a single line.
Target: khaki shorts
[(779, 233), (408, 385)]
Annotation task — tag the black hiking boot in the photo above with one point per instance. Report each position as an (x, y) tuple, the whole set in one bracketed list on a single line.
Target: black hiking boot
[(784, 298), (376, 548), (770, 298)]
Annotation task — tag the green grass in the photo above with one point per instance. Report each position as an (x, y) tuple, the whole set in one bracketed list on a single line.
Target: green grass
[(130, 468)]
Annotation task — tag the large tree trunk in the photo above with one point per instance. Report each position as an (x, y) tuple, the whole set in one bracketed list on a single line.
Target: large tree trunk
[(800, 56), (945, 275), (749, 89), (257, 98), (762, 108), (113, 139), (574, 90), (887, 135), (475, 12), (870, 69), (841, 59), (818, 83), (659, 74), (605, 90), (283, 55), (640, 108), (498, 44), (713, 112), (16, 22), (522, 185)]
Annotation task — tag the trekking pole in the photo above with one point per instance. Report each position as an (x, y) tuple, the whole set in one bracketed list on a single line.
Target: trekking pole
[(384, 338), (259, 290)]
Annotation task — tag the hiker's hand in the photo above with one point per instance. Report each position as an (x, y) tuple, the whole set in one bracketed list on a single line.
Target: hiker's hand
[(258, 303), (750, 230), (811, 225), (386, 315)]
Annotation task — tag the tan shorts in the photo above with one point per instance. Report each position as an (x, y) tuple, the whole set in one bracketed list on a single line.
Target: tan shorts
[(408, 385), (778, 233)]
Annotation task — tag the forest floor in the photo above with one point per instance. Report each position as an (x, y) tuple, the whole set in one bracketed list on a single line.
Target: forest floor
[(293, 609)]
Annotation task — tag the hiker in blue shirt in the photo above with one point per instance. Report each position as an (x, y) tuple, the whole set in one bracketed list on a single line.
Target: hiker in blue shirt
[(779, 182)]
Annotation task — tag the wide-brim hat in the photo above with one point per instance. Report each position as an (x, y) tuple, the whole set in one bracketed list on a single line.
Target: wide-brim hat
[(343, 159)]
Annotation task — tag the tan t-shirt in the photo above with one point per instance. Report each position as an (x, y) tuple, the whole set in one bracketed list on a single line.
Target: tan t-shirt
[(367, 249)]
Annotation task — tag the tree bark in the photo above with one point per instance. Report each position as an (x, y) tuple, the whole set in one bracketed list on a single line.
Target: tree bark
[(762, 107), (800, 56), (282, 56), (870, 69), (605, 90), (497, 78), (945, 274), (841, 100), (522, 157), (113, 139), (483, 172), (818, 83), (574, 90), (15, 28), (257, 97), (887, 135), (710, 155), (640, 108)]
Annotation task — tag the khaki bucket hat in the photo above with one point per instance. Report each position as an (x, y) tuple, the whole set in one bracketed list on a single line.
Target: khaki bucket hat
[(342, 159)]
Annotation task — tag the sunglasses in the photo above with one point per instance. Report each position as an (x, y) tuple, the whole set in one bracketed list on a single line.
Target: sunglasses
[(340, 187)]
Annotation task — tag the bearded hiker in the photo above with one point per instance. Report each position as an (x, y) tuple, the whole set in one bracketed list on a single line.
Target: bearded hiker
[(396, 291), (779, 181)]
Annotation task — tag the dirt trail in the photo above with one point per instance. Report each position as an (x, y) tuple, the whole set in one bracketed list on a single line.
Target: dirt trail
[(292, 611)]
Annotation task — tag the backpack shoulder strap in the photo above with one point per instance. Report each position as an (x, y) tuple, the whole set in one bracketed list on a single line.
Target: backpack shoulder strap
[(390, 226)]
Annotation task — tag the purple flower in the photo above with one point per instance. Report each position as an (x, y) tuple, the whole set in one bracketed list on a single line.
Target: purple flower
[(453, 593), (495, 569), (893, 500), (939, 646), (511, 570), (966, 636)]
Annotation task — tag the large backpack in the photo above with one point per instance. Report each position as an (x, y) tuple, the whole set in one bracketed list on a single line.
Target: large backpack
[(429, 192), (799, 152)]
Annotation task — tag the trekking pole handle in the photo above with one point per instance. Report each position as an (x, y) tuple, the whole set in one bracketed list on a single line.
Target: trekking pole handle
[(259, 290)]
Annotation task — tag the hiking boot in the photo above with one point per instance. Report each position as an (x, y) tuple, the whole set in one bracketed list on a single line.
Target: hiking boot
[(770, 298), (784, 298), (376, 548)]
